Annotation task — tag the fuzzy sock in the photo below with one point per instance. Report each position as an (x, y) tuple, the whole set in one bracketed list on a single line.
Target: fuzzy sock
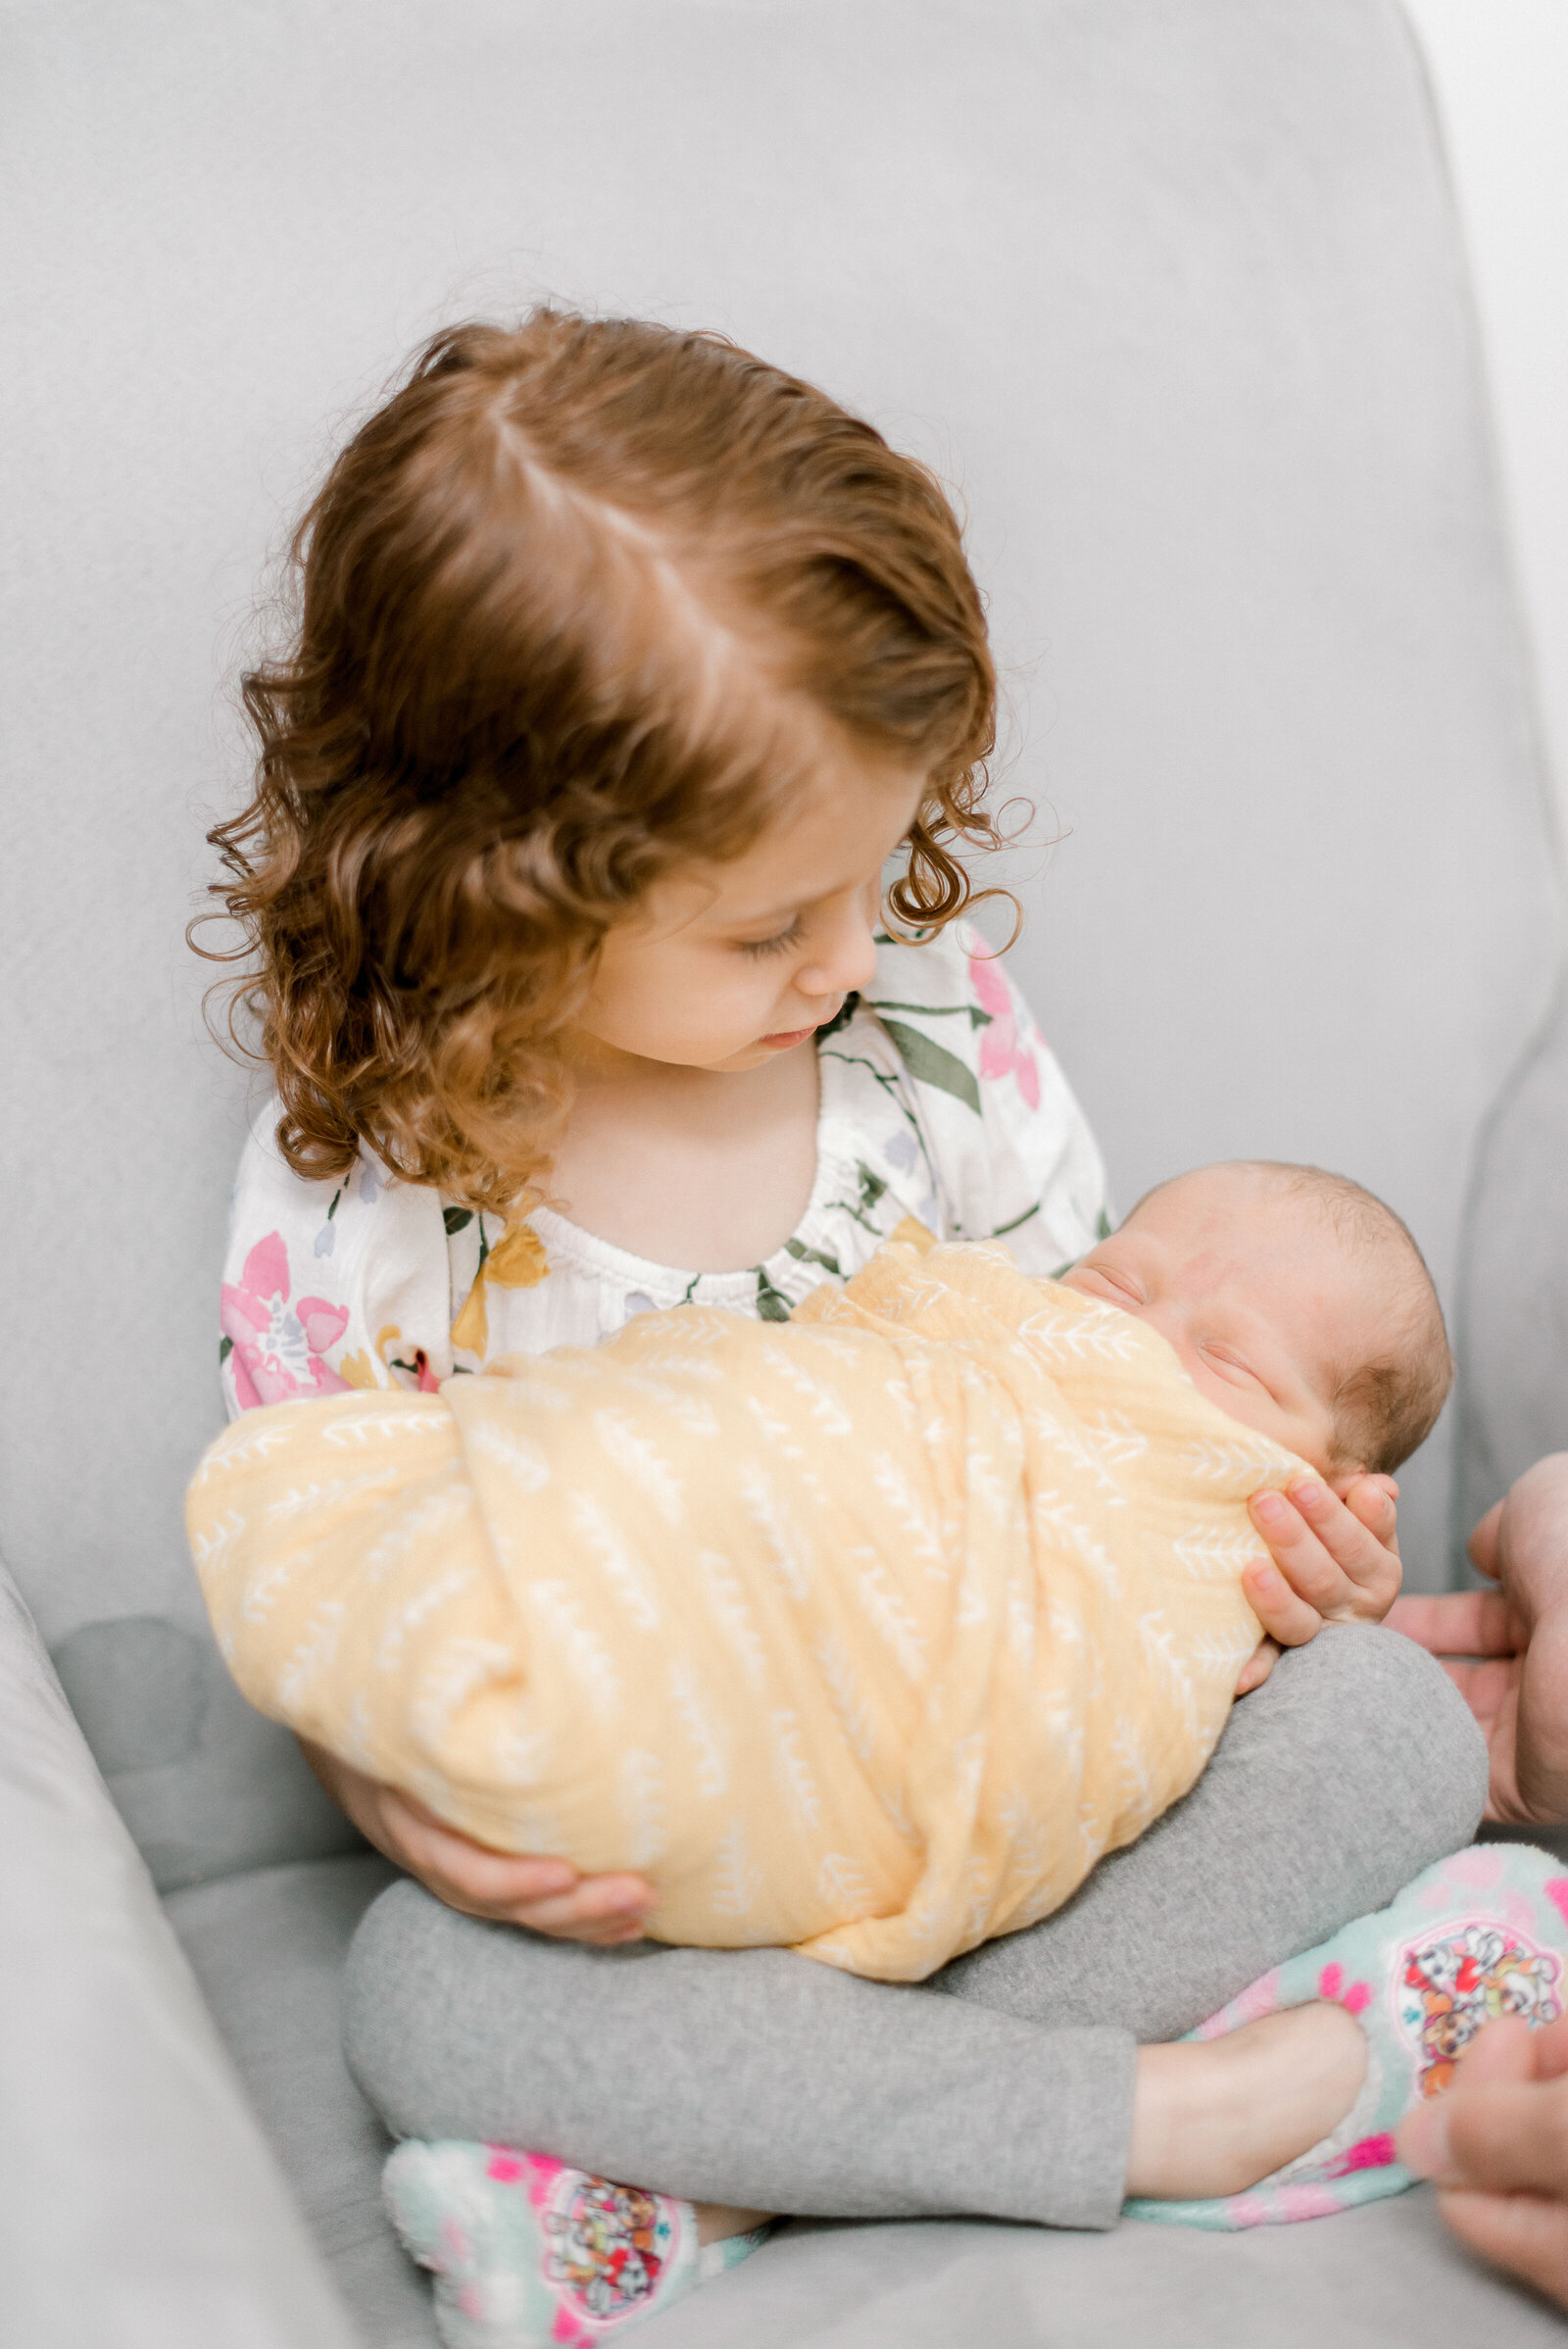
[(1478, 1935), (527, 2254)]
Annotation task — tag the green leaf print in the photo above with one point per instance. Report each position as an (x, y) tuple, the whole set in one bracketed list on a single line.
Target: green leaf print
[(1003, 1229), (815, 1255), (771, 1304), (933, 1064), (1104, 1227), (225, 1346), (457, 1219), (978, 1017)]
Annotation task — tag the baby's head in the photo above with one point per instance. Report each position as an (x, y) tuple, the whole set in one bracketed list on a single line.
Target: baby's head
[(1296, 1302), (610, 636)]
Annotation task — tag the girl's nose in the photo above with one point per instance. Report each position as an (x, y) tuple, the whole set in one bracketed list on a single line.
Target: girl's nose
[(846, 957)]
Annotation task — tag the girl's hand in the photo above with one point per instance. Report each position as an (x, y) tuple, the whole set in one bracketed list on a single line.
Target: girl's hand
[(546, 1895), (1336, 1559)]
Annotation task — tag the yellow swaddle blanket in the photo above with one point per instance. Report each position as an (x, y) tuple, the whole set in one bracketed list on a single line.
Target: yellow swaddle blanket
[(868, 1635)]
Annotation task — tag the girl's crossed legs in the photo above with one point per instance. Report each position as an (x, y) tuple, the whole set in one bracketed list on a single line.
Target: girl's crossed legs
[(760, 2078)]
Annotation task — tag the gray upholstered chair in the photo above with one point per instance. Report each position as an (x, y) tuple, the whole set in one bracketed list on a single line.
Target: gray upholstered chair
[(1171, 290)]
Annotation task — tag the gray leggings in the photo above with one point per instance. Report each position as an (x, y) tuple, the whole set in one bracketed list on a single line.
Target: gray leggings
[(765, 2079)]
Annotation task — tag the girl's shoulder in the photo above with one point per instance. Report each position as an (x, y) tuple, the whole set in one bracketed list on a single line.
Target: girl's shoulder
[(1012, 1149), (330, 1284)]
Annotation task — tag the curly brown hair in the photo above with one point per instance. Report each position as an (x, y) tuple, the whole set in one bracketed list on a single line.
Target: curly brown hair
[(559, 604)]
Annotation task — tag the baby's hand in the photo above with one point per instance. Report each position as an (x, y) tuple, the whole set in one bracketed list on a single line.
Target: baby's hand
[(546, 1895), (1336, 1559)]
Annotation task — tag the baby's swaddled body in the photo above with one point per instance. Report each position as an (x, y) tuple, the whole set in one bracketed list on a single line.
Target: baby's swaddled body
[(868, 1635)]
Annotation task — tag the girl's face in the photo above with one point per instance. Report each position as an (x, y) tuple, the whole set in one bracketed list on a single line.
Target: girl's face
[(724, 967)]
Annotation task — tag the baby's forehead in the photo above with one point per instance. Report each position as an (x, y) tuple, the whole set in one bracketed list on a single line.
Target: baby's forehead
[(1216, 1199)]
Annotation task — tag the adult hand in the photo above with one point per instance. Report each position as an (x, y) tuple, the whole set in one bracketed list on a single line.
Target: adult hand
[(546, 1895), (1336, 1559), (1518, 1689), (1496, 2146)]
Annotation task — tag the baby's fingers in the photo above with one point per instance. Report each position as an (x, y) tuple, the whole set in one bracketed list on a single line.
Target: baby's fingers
[(1326, 1553), (1257, 1667), (1373, 1501), (1284, 1614)]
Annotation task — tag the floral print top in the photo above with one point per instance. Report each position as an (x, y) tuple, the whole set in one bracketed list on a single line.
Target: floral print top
[(939, 1102)]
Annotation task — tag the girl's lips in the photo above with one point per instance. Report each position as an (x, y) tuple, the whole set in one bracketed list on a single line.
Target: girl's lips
[(787, 1037)]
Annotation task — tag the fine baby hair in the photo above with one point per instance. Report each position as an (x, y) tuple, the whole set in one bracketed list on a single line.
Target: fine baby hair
[(1386, 1404), (578, 604)]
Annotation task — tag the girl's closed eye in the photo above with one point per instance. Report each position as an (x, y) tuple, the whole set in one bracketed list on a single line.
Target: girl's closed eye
[(776, 944)]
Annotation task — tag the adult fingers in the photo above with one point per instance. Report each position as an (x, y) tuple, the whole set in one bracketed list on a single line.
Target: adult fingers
[(1527, 2233), (1460, 1623), (1549, 2048), (1484, 1542), (1502, 2050), (1508, 2136)]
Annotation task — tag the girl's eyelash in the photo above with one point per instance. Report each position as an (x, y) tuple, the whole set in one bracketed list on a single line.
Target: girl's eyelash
[(772, 946)]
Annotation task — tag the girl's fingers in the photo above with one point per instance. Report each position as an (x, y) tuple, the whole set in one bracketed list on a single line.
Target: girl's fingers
[(546, 1895), (602, 1910), (1286, 1617), (499, 1879)]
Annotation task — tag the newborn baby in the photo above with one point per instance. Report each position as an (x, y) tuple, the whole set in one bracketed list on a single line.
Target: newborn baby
[(1294, 1298), (870, 1635)]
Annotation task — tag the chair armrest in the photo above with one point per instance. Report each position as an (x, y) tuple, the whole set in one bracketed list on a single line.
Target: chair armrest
[(141, 2202)]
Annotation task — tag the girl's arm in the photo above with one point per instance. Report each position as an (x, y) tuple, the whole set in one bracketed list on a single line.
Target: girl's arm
[(547, 1895), (348, 1283)]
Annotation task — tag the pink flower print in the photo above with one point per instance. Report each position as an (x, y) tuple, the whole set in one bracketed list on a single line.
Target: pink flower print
[(278, 1351), (1004, 1050)]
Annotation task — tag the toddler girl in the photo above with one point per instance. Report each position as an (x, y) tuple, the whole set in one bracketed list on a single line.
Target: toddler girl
[(625, 664)]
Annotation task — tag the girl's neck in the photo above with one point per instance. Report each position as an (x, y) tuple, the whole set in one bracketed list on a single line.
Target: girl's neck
[(689, 1167)]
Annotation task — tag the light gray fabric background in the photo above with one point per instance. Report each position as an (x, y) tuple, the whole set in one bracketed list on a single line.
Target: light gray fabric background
[(1169, 289)]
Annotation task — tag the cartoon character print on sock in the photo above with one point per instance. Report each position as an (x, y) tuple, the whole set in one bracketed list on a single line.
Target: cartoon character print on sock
[(1477, 1936), (607, 2245), (527, 2253), (1452, 1985)]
